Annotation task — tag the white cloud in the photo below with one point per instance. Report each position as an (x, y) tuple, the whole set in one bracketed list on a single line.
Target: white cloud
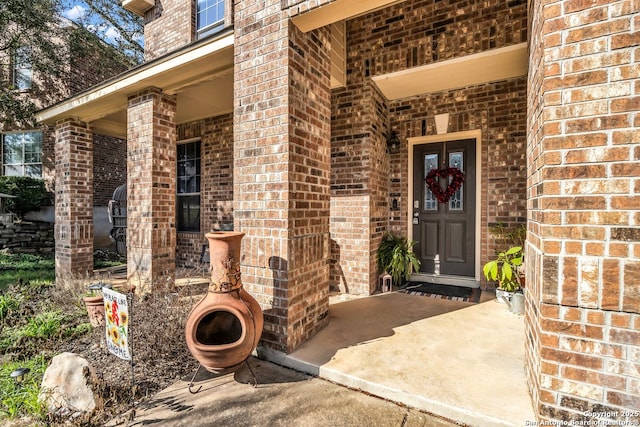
[(111, 34), (75, 13)]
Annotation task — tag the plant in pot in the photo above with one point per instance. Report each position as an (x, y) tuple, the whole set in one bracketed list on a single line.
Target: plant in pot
[(396, 257), (94, 302), (505, 269)]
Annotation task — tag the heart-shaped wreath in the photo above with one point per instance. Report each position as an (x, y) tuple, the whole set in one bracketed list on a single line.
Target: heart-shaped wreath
[(443, 196)]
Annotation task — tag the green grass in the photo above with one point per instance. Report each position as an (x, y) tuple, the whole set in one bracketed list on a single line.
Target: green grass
[(18, 400), (26, 268), (8, 303)]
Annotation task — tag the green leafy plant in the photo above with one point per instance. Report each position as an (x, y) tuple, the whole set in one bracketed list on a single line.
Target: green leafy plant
[(8, 303), (507, 237), (30, 193), (21, 399), (505, 269), (396, 257)]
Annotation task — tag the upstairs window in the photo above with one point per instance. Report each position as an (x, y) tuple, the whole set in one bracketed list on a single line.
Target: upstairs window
[(210, 18), (188, 187), (22, 68), (22, 154)]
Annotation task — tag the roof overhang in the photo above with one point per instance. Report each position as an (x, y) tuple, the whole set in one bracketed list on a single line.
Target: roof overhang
[(336, 11), (491, 65), (201, 75), (139, 7)]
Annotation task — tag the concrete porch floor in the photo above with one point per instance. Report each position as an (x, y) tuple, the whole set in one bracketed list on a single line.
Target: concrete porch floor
[(461, 361), (458, 360)]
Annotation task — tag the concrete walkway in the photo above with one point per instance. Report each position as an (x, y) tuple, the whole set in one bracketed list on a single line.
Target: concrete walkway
[(283, 397), (458, 360)]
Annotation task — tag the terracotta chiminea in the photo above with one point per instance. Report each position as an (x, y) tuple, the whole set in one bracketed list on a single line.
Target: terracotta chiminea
[(225, 326)]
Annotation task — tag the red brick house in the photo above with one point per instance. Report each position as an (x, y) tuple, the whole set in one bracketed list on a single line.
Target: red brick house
[(85, 61), (275, 116)]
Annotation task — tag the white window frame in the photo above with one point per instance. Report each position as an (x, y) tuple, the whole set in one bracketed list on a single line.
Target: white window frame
[(22, 66), (23, 164), (213, 27)]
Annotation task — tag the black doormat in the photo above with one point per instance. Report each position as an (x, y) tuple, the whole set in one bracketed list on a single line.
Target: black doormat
[(437, 291)]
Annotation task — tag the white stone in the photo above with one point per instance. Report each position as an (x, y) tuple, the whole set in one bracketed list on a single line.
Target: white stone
[(67, 385)]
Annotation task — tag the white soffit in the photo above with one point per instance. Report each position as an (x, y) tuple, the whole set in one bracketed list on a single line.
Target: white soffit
[(139, 7), (335, 11), (180, 73), (484, 67)]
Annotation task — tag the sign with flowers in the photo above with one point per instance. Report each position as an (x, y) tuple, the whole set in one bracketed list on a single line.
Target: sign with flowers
[(116, 312)]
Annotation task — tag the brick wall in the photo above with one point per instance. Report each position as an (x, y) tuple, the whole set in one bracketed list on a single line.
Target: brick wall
[(74, 198), (407, 35), (583, 255), (281, 168), (499, 111), (92, 61), (216, 194), (109, 167), (151, 189), (168, 26), (416, 33), (299, 6), (359, 186)]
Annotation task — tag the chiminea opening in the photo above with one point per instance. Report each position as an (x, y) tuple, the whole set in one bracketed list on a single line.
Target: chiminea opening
[(219, 328)]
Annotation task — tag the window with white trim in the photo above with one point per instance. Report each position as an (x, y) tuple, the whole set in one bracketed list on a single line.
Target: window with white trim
[(210, 16), (188, 187), (22, 154), (22, 68)]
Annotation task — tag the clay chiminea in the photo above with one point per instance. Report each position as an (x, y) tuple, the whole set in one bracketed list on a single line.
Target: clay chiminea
[(225, 326)]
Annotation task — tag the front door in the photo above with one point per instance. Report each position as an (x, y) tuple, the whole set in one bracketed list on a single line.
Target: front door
[(445, 230)]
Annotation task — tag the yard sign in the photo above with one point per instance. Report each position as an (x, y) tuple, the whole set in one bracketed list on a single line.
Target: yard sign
[(117, 322)]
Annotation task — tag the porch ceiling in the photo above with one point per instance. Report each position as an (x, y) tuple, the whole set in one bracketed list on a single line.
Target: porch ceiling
[(337, 10), (484, 67), (201, 76)]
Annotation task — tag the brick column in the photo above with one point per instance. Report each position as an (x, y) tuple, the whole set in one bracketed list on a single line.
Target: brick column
[(583, 250), (281, 169), (359, 184), (151, 189), (74, 198)]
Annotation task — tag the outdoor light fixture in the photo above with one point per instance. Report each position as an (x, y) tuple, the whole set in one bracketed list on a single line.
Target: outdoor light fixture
[(19, 374), (393, 143)]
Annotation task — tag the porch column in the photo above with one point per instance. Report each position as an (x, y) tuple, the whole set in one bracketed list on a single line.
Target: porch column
[(73, 199), (281, 169), (583, 248), (151, 189), (359, 184)]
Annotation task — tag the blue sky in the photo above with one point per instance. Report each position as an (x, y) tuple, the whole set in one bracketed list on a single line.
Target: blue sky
[(75, 11)]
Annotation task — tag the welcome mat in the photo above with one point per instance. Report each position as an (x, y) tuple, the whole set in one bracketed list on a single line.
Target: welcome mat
[(437, 291)]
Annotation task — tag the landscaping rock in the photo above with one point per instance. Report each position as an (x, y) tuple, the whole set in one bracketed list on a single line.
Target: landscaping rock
[(67, 385)]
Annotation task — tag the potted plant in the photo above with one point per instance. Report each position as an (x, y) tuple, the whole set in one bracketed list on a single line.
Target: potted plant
[(94, 303), (396, 257), (505, 269)]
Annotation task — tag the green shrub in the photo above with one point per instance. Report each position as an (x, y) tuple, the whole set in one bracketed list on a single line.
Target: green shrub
[(30, 193)]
